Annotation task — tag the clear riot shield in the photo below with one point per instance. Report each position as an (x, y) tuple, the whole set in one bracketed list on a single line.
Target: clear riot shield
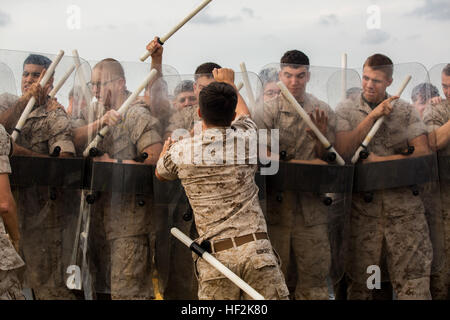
[(396, 218), (44, 187), (309, 197), (15, 60), (116, 211), (435, 116), (8, 91)]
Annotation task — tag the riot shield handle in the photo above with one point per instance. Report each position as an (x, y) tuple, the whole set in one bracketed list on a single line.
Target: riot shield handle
[(141, 157), (328, 201), (95, 152), (56, 152), (24, 116), (216, 264), (409, 151), (163, 39), (328, 146), (373, 131)]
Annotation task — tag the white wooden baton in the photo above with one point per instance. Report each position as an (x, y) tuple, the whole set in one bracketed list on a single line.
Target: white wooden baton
[(177, 27), (373, 131), (61, 82), (248, 87), (216, 264), (122, 110), (344, 75), (239, 86), (48, 74), (327, 145)]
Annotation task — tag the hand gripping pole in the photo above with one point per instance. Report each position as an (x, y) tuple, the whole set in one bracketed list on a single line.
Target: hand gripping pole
[(216, 264), (377, 125), (327, 145), (48, 74), (122, 110), (177, 27)]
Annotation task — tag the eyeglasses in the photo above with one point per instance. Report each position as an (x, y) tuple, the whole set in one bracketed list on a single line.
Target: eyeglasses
[(272, 93), (99, 84), (190, 98)]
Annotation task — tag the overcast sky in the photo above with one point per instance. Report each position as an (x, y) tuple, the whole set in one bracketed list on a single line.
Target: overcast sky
[(231, 31)]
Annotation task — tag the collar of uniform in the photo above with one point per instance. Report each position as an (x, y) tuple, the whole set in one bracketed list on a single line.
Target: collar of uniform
[(372, 105), (39, 111)]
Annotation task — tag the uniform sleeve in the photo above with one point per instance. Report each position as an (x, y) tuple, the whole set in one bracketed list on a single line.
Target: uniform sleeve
[(7, 100), (5, 148), (435, 117), (245, 123), (343, 118), (142, 127), (60, 132), (166, 167)]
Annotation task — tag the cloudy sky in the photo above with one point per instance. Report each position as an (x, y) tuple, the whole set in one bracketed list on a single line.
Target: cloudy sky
[(231, 31)]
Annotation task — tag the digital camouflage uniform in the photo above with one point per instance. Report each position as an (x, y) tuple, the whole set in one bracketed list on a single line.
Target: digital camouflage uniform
[(10, 261), (43, 221), (125, 224), (298, 224), (395, 216), (435, 117), (224, 198), (179, 285)]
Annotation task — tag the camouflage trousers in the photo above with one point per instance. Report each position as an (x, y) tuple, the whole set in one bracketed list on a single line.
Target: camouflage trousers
[(310, 247), (408, 254), (10, 287), (131, 272), (440, 280), (254, 262)]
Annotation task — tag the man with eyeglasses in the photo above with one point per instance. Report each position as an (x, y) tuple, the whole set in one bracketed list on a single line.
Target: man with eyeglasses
[(125, 218), (297, 221), (46, 128), (185, 95)]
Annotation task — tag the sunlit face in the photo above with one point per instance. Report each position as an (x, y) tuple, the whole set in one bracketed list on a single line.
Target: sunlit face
[(105, 87), (295, 79), (446, 85), (200, 83), (271, 90), (31, 74), (185, 99), (374, 84)]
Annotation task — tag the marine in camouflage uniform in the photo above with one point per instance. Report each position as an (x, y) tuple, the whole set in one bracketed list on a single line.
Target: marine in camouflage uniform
[(42, 221), (395, 218), (297, 221), (224, 198), (10, 261), (437, 117), (125, 223)]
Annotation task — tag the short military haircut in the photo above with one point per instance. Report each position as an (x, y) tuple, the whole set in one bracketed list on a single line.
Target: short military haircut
[(218, 102), (382, 63), (352, 91), (184, 86), (294, 59), (446, 70), (424, 92), (206, 69), (268, 75), (112, 66), (38, 59)]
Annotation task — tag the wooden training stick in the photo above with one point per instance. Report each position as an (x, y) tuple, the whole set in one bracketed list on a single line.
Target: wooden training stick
[(122, 110), (48, 74), (61, 82), (216, 264), (309, 122), (177, 27), (248, 87), (377, 125)]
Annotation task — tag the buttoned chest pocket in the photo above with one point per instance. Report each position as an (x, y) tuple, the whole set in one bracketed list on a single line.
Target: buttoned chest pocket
[(289, 129)]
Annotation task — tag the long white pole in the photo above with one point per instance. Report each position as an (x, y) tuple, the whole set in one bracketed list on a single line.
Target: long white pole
[(327, 145), (217, 264), (377, 125), (48, 74), (248, 87), (122, 110), (177, 27), (344, 75), (61, 82)]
